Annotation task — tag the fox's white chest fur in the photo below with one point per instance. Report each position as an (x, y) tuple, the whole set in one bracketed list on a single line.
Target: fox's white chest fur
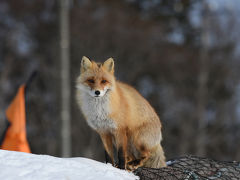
[(96, 111)]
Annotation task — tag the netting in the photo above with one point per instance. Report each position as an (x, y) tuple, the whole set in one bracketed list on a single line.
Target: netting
[(192, 168)]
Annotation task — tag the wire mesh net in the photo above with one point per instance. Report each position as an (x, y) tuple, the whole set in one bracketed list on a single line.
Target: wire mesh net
[(192, 168)]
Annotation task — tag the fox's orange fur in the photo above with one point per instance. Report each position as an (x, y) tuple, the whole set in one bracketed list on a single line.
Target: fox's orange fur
[(121, 116)]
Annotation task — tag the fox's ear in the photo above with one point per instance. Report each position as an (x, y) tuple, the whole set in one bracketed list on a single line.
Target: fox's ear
[(109, 65), (85, 64)]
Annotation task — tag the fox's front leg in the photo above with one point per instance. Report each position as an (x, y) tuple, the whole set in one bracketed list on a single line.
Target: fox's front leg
[(108, 145), (107, 157), (121, 143)]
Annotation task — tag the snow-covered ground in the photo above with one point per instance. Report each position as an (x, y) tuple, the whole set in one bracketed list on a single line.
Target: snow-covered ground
[(23, 166)]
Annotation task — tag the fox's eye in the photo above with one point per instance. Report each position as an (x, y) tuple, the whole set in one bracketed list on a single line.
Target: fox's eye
[(90, 80), (103, 81)]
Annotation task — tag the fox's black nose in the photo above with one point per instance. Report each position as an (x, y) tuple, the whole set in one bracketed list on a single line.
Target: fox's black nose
[(97, 92)]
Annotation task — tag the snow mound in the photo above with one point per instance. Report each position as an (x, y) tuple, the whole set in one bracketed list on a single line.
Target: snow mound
[(24, 166)]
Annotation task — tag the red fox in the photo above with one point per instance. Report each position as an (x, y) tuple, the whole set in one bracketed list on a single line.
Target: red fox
[(120, 115)]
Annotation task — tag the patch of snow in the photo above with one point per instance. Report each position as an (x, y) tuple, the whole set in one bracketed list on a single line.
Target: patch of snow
[(170, 163), (24, 166)]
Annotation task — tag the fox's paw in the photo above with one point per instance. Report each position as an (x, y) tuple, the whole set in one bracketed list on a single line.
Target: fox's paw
[(115, 165), (119, 166), (133, 165)]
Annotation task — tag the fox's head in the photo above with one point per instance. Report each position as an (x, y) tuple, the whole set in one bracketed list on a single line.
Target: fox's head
[(96, 79)]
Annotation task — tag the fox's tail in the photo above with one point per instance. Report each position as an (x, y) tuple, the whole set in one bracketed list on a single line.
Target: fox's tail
[(157, 159)]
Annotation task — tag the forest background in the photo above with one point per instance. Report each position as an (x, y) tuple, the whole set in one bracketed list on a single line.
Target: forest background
[(182, 55)]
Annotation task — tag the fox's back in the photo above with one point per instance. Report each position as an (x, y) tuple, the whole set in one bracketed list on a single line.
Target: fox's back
[(138, 109)]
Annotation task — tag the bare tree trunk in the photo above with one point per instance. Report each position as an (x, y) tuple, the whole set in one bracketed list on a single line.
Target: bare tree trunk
[(202, 91), (65, 79)]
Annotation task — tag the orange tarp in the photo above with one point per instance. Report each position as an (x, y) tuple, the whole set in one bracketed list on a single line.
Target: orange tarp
[(15, 138)]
